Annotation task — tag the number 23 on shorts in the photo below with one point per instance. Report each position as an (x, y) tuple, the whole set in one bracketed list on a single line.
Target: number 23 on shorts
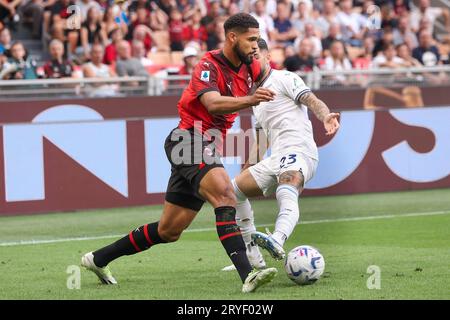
[(286, 161)]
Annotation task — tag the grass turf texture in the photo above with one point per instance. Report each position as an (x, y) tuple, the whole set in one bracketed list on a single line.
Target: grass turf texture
[(413, 252)]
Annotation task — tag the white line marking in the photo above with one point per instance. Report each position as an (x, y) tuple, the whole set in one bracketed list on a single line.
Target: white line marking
[(111, 236)]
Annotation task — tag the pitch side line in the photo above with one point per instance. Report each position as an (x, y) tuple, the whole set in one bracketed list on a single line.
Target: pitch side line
[(388, 216)]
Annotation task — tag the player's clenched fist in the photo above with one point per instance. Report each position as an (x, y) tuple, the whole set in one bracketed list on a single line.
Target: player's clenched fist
[(262, 95)]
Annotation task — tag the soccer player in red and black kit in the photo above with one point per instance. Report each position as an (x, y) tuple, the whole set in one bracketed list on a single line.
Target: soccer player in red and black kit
[(218, 89)]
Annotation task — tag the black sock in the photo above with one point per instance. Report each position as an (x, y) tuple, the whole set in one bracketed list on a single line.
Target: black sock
[(137, 240), (231, 238)]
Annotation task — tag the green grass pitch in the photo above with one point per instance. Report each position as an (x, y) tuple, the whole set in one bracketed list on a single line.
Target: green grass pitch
[(405, 234)]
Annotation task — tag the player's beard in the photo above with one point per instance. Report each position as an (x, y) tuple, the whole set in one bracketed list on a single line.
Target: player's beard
[(245, 58)]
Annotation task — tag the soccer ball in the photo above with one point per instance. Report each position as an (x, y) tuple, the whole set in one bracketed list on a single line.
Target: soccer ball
[(304, 265)]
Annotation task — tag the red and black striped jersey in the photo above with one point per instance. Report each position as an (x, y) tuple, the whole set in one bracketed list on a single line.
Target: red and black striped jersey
[(215, 72)]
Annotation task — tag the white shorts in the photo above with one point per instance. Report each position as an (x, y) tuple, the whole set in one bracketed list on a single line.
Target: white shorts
[(267, 172)]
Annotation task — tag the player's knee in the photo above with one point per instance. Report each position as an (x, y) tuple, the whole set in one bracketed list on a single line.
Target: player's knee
[(225, 196), (293, 178), (221, 195)]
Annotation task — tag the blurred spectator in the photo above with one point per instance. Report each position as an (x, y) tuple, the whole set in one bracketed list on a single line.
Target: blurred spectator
[(176, 30), (224, 7), (127, 65), (233, 9), (404, 34), (303, 16), (136, 5), (303, 61), (404, 52), (190, 59), (289, 51), (96, 69), (426, 53), (57, 66), (111, 49), (337, 61), (216, 38), (387, 38), (139, 52), (144, 34), (265, 21), (85, 5), (110, 22), (388, 58), (425, 25), (188, 8), (334, 33), (284, 33), (194, 31), (271, 8), (59, 14), (159, 18), (310, 33), (352, 24), (213, 13), (364, 60), (401, 7), (5, 42), (326, 18), (388, 17), (19, 66), (91, 32), (140, 17), (431, 13), (33, 12), (8, 12), (165, 5)]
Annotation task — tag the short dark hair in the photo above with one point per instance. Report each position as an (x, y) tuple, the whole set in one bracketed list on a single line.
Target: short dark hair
[(240, 22), (262, 44)]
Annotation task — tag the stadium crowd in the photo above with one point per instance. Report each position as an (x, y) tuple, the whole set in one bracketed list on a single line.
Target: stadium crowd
[(105, 38)]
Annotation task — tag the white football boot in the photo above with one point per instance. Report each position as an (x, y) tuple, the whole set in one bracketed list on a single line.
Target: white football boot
[(104, 274), (266, 241), (257, 278)]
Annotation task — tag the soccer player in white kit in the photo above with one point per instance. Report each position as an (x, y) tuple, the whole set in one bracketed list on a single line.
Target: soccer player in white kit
[(293, 160)]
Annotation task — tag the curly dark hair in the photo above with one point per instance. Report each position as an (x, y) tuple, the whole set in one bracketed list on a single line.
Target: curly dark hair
[(240, 23), (262, 44)]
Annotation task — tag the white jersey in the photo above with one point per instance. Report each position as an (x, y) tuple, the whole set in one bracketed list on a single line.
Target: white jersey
[(284, 120)]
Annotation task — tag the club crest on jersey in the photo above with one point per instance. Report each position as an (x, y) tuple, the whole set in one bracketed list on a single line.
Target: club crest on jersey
[(249, 81), (204, 75)]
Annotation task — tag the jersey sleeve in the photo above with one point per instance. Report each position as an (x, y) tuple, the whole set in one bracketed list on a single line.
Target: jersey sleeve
[(294, 86), (204, 78)]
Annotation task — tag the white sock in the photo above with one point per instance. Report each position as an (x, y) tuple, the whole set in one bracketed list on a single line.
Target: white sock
[(288, 216), (244, 214)]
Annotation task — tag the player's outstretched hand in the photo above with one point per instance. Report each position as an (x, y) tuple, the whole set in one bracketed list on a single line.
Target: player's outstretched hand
[(262, 95), (331, 123)]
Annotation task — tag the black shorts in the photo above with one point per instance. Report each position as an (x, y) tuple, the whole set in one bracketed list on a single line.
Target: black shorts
[(191, 159)]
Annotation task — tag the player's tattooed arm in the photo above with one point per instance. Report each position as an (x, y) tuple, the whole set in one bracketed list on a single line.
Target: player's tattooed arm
[(316, 105), (321, 111)]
